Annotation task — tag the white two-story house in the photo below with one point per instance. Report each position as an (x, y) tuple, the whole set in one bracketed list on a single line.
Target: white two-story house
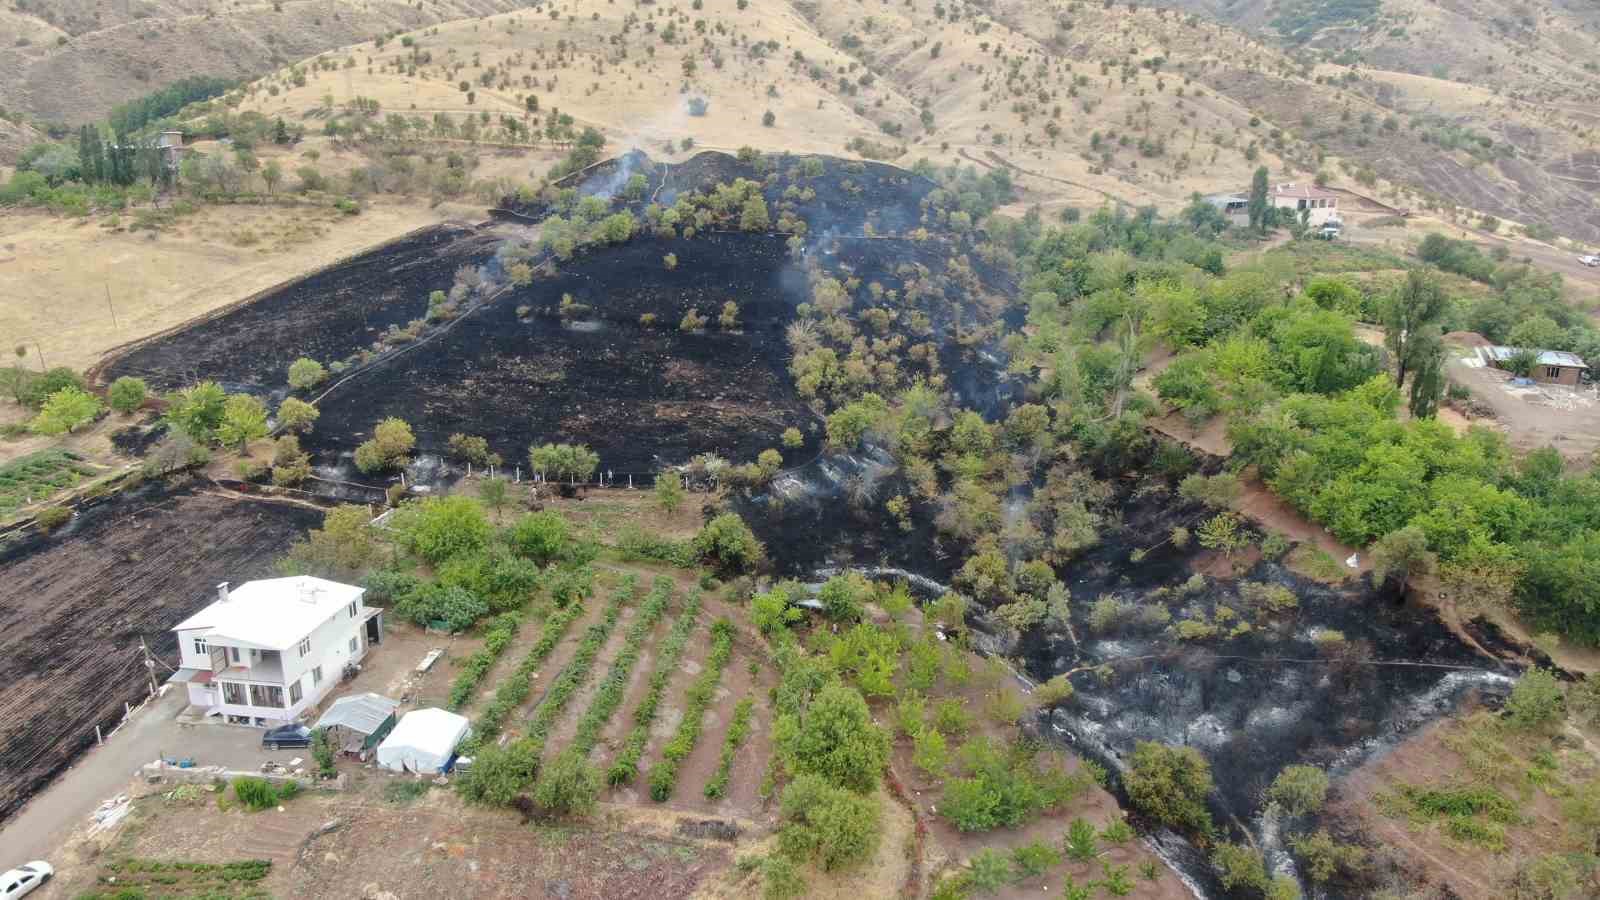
[(266, 651)]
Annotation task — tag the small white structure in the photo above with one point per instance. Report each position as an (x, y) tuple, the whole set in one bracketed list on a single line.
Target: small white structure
[(424, 742), (267, 651)]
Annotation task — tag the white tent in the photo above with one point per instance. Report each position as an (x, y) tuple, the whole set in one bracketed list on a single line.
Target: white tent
[(423, 741)]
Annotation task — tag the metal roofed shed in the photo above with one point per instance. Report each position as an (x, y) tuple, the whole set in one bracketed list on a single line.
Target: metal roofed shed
[(423, 742), (358, 722), (1552, 366)]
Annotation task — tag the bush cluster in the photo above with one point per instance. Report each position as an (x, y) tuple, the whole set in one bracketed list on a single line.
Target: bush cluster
[(606, 700)]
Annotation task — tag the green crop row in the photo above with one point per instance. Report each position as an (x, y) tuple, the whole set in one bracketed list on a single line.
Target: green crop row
[(609, 697), (510, 694), (576, 672), (626, 765), (501, 631), (664, 777), (738, 731)]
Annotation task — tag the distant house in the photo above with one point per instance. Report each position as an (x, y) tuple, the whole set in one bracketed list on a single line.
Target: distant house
[(170, 143), (1553, 367), (266, 651), (1321, 205)]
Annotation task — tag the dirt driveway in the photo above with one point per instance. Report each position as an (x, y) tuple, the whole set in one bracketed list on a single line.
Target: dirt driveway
[(1540, 415)]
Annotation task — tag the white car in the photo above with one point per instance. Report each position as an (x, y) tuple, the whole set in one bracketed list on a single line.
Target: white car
[(23, 879), (1592, 261)]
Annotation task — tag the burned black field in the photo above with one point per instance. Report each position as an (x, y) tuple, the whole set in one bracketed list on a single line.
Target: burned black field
[(329, 315), (79, 600), (517, 372)]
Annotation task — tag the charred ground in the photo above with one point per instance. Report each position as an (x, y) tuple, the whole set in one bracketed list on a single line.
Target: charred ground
[(133, 565)]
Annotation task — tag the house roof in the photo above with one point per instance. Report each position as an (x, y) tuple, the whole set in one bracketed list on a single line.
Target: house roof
[(272, 614), (1546, 357), (1303, 192), (365, 713)]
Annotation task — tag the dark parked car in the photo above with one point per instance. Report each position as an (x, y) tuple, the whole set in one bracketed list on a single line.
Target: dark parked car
[(286, 736)]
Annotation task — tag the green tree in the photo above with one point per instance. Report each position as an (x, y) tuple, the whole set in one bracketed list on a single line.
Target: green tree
[(64, 411), (1427, 387), (341, 549), (295, 414), (1537, 332), (1401, 554), (1259, 200), (440, 528), (833, 737), (305, 374), (574, 462), (754, 216), (127, 394), (272, 175), (1409, 315), (196, 411), (727, 543), (669, 491), (495, 494), (1170, 784), (244, 419), (838, 828), (392, 441), (843, 596), (1240, 867)]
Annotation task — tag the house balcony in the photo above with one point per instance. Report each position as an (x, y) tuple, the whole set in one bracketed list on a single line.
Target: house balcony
[(265, 666)]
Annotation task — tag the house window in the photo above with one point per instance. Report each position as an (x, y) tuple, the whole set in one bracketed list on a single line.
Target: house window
[(1552, 371), (353, 645), (233, 692), (305, 646), (352, 608), (266, 695), (295, 693), (200, 646), (316, 676), (234, 652)]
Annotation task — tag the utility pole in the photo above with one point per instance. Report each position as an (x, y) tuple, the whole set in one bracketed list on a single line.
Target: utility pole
[(112, 308), (149, 664), (42, 366)]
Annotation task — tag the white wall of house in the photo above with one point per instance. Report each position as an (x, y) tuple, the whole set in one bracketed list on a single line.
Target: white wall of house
[(1321, 209), (313, 667)]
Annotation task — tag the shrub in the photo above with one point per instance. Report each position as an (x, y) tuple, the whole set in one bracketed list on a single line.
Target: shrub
[(728, 544), (244, 419), (1079, 841), (842, 596), (668, 491), (1034, 859), (295, 414), (305, 374), (469, 448), (781, 878), (543, 537), (52, 517), (1325, 857), (34, 389), (127, 394), (567, 785), (454, 608), (65, 411), (1170, 784), (1239, 866), (1299, 789), (930, 753), (1536, 701), (738, 731), (989, 871), (258, 793), (1006, 786)]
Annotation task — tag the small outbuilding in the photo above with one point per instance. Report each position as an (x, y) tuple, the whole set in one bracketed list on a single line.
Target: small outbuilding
[(1552, 367), (358, 722), (423, 742)]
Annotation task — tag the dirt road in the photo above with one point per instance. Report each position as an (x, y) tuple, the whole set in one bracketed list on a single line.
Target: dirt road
[(49, 818)]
